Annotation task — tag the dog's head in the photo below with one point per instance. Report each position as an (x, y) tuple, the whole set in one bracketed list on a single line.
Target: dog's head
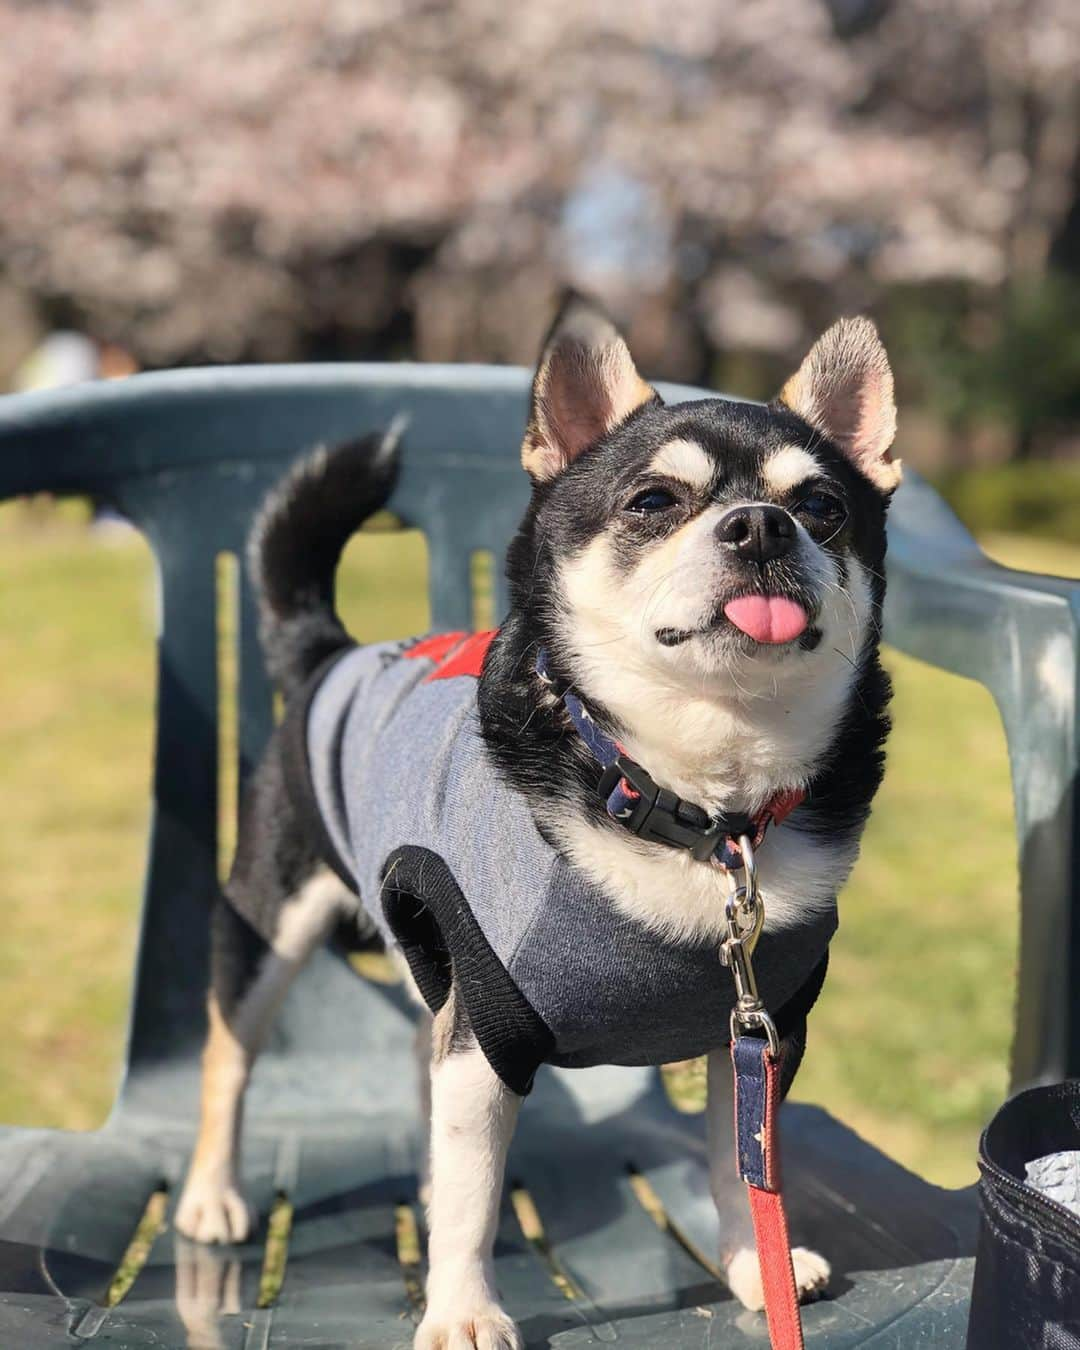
[(718, 546)]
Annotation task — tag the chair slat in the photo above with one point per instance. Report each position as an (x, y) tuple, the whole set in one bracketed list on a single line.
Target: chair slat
[(181, 880), (66, 1231), (529, 1292), (342, 1272), (255, 696), (38, 1322), (601, 1234), (449, 583)]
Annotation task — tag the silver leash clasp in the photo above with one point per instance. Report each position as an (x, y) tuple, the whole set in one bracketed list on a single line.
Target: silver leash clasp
[(744, 916)]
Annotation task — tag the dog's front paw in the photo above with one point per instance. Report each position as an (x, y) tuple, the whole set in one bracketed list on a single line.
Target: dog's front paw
[(485, 1327), (211, 1212), (744, 1276)]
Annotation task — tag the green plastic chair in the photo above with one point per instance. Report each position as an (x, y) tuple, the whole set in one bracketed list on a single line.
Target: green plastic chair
[(332, 1119)]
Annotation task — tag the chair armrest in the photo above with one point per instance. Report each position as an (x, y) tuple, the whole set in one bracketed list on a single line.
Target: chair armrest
[(1019, 635)]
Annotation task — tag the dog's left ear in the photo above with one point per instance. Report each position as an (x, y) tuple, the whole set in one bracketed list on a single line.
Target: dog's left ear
[(844, 389), (585, 384)]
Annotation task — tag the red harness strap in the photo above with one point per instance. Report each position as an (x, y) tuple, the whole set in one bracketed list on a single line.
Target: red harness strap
[(454, 654), (757, 1107)]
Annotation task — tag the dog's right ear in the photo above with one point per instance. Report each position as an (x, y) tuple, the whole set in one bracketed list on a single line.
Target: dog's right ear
[(585, 384), (844, 388)]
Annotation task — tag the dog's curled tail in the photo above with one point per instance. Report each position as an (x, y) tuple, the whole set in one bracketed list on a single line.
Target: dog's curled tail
[(296, 542)]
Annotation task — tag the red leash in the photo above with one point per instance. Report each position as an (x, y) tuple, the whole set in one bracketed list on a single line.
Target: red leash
[(756, 1063)]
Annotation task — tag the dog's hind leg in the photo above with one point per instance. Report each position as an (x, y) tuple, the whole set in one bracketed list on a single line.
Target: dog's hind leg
[(250, 978), (472, 1120), (738, 1256)]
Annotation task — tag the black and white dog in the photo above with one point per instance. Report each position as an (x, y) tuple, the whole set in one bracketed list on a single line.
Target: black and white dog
[(540, 822)]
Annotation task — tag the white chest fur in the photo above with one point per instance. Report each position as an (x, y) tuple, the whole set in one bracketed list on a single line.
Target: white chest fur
[(682, 899)]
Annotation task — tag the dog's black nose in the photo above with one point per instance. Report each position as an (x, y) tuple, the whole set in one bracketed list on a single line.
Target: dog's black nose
[(757, 533)]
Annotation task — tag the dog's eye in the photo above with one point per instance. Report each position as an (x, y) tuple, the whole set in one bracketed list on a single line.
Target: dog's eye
[(652, 499), (822, 506)]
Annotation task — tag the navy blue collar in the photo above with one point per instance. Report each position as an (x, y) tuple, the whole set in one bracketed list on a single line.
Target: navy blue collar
[(636, 802)]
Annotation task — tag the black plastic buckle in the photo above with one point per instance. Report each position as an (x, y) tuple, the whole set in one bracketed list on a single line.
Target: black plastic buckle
[(661, 817)]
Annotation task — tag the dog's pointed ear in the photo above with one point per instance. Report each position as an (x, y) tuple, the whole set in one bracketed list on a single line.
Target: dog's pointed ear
[(844, 388), (586, 383)]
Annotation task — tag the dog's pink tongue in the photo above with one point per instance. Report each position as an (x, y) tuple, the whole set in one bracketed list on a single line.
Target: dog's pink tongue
[(767, 618)]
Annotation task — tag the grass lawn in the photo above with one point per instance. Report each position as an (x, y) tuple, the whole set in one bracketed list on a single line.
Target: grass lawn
[(909, 1041)]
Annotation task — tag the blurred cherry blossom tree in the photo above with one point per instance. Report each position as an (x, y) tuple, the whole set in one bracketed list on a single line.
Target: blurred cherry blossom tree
[(224, 180)]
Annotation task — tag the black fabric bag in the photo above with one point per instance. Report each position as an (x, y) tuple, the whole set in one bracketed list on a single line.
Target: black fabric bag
[(1027, 1268)]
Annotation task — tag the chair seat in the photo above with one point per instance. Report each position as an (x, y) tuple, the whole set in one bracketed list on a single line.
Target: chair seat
[(338, 1135)]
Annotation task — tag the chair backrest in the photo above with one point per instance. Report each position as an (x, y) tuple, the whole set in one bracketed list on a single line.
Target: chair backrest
[(187, 455)]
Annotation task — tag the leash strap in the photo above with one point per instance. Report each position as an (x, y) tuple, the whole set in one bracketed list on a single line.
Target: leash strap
[(757, 1107), (651, 812)]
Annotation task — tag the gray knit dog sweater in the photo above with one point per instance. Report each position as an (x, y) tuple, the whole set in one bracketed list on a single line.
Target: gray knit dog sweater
[(448, 860)]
